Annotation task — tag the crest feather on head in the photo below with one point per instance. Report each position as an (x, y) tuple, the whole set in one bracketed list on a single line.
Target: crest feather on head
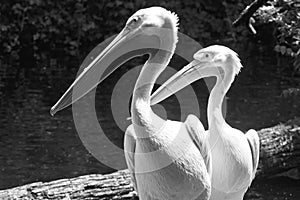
[(171, 17)]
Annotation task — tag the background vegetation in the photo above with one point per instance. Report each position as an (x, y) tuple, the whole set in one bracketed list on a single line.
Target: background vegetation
[(46, 39)]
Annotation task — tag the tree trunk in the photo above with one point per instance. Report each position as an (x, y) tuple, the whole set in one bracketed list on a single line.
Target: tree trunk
[(279, 155)]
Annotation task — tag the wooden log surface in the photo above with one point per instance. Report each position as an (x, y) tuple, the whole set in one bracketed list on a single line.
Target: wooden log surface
[(94, 186), (280, 150), (279, 155)]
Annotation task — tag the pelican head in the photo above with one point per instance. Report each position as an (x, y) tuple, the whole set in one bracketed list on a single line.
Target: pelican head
[(152, 17), (138, 33), (215, 60), (218, 56)]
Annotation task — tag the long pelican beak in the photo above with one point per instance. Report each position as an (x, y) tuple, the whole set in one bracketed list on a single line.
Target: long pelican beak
[(195, 70), (103, 65)]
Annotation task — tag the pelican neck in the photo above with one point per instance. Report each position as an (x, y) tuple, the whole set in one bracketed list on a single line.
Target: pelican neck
[(215, 101), (142, 114)]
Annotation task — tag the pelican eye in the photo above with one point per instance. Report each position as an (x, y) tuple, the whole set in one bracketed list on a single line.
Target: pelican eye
[(204, 57), (207, 56), (133, 21)]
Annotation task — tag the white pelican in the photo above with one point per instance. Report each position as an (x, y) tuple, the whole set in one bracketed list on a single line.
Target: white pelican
[(168, 160), (234, 154)]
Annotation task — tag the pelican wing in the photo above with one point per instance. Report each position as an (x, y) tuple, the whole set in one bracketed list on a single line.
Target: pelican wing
[(129, 148), (253, 141), (199, 137)]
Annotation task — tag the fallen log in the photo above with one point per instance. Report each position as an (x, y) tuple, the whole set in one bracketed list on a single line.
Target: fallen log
[(280, 155), (94, 186), (280, 150)]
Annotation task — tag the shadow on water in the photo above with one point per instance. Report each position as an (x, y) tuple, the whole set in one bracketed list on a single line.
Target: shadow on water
[(37, 147)]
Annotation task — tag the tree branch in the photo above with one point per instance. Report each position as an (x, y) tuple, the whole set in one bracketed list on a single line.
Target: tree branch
[(245, 17)]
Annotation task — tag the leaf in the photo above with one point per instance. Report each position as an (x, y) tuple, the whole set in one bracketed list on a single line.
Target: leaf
[(277, 48), (73, 43), (296, 64), (282, 50)]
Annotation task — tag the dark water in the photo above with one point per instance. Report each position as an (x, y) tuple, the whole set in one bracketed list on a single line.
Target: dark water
[(37, 147)]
